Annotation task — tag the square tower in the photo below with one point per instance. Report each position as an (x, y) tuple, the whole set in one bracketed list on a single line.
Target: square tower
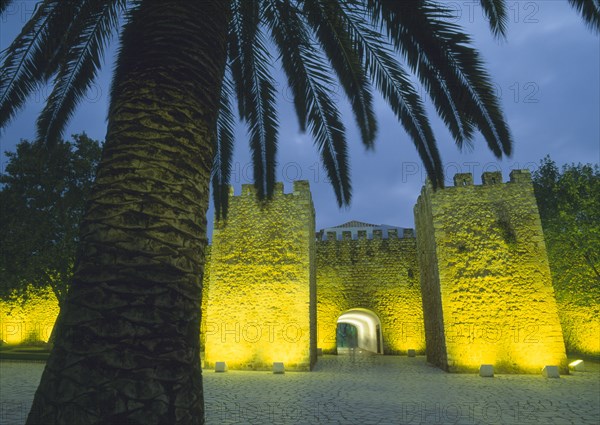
[(261, 288), (485, 280)]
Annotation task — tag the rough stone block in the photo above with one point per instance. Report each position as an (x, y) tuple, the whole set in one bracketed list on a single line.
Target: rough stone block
[(491, 177), (520, 176), (486, 371), (221, 367), (550, 372), (463, 179)]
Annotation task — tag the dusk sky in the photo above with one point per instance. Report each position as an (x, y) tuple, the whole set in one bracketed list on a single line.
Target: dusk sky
[(547, 74)]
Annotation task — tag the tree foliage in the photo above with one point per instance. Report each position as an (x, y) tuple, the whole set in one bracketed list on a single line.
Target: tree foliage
[(569, 203), (42, 200)]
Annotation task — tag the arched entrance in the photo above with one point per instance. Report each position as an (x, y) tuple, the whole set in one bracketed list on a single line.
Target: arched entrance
[(359, 328)]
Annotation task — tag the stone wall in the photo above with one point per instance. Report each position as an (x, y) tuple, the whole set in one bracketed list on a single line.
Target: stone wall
[(261, 282), (581, 327), (380, 275), (493, 292), (29, 317)]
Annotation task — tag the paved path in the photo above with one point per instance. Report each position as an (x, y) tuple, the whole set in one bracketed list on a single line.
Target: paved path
[(366, 390)]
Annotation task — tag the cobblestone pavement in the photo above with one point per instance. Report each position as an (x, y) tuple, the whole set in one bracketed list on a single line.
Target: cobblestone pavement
[(365, 390)]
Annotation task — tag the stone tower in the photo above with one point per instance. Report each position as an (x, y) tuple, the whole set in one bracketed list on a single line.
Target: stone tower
[(485, 280), (261, 282)]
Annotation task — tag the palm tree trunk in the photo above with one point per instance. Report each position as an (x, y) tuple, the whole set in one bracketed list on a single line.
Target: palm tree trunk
[(127, 350)]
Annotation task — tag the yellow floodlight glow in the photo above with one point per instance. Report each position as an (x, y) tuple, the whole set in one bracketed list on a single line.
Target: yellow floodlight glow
[(577, 365)]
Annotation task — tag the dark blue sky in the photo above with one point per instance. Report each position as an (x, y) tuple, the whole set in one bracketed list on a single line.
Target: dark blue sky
[(547, 73)]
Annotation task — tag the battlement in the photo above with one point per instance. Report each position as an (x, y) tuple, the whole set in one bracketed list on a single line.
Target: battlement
[(492, 178), (300, 188), (358, 235)]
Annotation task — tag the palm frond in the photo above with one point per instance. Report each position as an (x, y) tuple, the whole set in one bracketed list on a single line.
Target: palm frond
[(272, 12), (26, 62), (308, 78), (438, 50), (252, 74), (345, 60), (224, 141), (431, 80), (495, 10), (589, 11), (97, 21), (394, 84)]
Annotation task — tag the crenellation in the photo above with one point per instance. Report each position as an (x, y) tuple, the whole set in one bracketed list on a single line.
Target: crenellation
[(520, 176), (463, 179), (491, 177), (278, 189), (248, 189), (302, 187)]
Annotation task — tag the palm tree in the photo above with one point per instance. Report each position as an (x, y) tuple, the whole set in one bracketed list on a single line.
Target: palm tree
[(127, 350)]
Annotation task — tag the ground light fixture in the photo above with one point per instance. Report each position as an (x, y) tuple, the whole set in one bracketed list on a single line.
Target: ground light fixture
[(486, 371), (577, 366), (550, 372)]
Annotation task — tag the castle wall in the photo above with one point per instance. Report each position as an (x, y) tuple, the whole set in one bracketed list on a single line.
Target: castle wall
[(581, 327), (28, 318), (380, 275), (494, 293), (261, 281)]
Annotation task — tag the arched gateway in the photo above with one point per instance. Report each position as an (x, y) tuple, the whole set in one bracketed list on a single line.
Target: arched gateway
[(359, 328)]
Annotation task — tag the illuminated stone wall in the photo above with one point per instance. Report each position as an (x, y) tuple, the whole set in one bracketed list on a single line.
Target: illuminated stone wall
[(482, 269), (581, 327), (261, 281), (380, 275), (30, 318), (485, 277)]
